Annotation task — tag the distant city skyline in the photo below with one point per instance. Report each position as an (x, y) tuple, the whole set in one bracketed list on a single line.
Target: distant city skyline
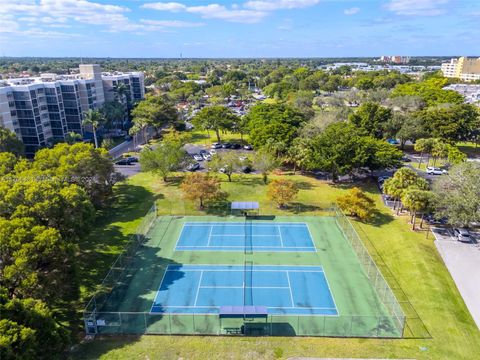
[(248, 28)]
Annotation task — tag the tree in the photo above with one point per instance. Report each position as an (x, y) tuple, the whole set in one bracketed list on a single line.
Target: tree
[(356, 203), (282, 191), (455, 156), (298, 154), (342, 148), (277, 123), (28, 330), (424, 146), (113, 112), (416, 200), (215, 118), (201, 187), (265, 162), (451, 123), (226, 163), (430, 91), (371, 117), (93, 118), (34, 260), (168, 156), (10, 143), (403, 179), (458, 194), (155, 111), (7, 163), (65, 207), (80, 164), (72, 137)]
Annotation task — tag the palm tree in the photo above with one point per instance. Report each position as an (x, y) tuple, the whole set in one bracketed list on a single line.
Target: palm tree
[(72, 137), (95, 119), (121, 92)]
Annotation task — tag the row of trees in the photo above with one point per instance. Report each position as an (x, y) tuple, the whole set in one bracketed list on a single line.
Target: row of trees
[(46, 206)]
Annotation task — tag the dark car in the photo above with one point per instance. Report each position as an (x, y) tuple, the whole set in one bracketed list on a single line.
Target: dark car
[(125, 161), (133, 159), (201, 152), (406, 159), (236, 146), (246, 169), (193, 166), (226, 145)]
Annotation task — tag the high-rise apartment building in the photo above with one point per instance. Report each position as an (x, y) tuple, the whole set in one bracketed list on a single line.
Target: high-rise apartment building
[(462, 68), (42, 110)]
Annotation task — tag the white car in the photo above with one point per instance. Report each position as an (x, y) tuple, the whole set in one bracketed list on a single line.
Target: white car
[(207, 156), (435, 171), (216, 146), (462, 234), (197, 157), (212, 152)]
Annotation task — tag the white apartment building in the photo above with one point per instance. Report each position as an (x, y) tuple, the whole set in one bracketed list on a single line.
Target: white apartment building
[(462, 68), (42, 110)]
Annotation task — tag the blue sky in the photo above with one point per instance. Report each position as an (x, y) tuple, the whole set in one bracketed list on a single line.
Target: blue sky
[(248, 28)]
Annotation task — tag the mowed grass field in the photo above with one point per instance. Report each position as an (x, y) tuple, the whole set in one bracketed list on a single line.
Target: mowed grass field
[(410, 256)]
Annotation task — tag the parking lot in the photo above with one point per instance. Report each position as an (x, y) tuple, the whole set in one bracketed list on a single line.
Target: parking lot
[(462, 261)]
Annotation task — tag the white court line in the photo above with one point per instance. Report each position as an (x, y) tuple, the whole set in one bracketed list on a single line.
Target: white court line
[(241, 224), (238, 246), (241, 287), (255, 270), (280, 234), (242, 235), (209, 236), (331, 293), (158, 290), (311, 237), (269, 307), (198, 288), (290, 287)]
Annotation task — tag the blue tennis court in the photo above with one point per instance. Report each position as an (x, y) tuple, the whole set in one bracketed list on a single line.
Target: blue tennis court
[(283, 290), (231, 236)]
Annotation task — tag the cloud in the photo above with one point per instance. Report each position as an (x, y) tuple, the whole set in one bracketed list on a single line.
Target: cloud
[(270, 5), (170, 6), (211, 11), (250, 12), (351, 11), (417, 7), (171, 23)]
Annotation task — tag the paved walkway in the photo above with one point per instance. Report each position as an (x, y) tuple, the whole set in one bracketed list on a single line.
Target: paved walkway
[(462, 260)]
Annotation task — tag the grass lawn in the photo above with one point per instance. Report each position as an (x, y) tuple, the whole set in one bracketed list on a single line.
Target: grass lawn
[(203, 137), (409, 256)]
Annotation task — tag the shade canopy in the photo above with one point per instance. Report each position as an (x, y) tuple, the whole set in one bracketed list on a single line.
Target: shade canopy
[(244, 205)]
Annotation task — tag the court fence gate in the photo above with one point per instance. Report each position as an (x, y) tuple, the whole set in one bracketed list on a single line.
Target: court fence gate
[(124, 322)]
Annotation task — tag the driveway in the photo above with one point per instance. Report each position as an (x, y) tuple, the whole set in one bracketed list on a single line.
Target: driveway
[(462, 261)]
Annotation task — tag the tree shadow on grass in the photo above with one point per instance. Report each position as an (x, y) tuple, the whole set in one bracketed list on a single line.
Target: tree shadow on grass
[(298, 208), (304, 185)]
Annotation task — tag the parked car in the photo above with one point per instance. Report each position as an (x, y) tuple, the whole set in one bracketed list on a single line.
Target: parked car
[(248, 147), (197, 157), (133, 159), (406, 159), (432, 220), (393, 141), (462, 235), (226, 145), (193, 166), (212, 152), (246, 169), (435, 171), (201, 152), (207, 156), (236, 146), (125, 161), (216, 145)]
